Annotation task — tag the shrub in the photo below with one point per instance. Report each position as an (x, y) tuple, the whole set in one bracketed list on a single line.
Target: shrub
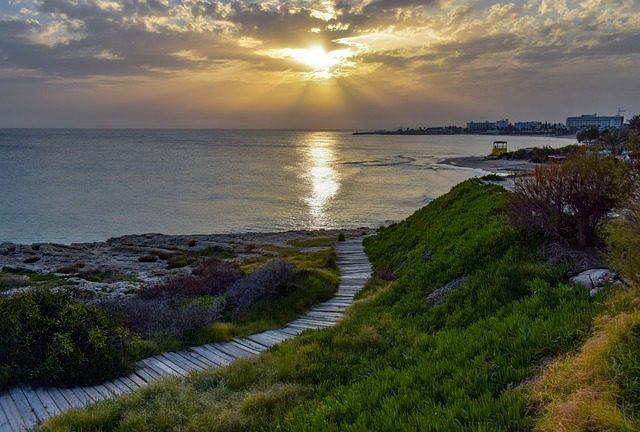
[(164, 317), (47, 337), (210, 277), (568, 200), (273, 279)]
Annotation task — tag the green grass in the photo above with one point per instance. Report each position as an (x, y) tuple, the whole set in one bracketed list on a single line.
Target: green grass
[(312, 287), (33, 278), (396, 363)]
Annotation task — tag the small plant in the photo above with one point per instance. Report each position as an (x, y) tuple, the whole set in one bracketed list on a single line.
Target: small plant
[(70, 268), (148, 258), (341, 237), (269, 281), (32, 259)]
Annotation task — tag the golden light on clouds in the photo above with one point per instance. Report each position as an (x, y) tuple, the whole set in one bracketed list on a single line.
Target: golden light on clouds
[(322, 64), (332, 63)]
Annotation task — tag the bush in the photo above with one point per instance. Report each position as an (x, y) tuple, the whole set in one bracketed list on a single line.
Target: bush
[(568, 200), (48, 338), (210, 277), (165, 317), (273, 279)]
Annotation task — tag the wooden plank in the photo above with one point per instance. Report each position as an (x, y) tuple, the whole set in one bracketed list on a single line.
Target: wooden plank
[(104, 391), (247, 347), (144, 375), (263, 339), (36, 404), (81, 395), (26, 411), (158, 368), (93, 394), (180, 362), (211, 356), (59, 399), (304, 326), (214, 349), (168, 359), (210, 363), (113, 388), (129, 383), (292, 332), (146, 370), (70, 396), (160, 365), (48, 402), (255, 345), (12, 413), (140, 382), (277, 335), (232, 350), (190, 359), (4, 421)]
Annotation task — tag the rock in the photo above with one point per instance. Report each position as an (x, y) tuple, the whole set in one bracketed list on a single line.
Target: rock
[(428, 254), (595, 279), (437, 297)]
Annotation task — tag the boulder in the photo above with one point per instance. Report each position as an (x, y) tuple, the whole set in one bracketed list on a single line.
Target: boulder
[(436, 298), (595, 279)]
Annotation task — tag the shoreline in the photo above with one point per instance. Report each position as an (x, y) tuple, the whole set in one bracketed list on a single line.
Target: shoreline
[(139, 259), (495, 166)]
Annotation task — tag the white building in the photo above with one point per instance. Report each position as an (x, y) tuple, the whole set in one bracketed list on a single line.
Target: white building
[(487, 125), (528, 126), (594, 120)]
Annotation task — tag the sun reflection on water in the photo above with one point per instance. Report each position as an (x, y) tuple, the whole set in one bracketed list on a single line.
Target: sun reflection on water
[(322, 176)]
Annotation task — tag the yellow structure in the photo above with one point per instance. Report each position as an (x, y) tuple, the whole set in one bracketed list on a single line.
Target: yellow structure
[(499, 148)]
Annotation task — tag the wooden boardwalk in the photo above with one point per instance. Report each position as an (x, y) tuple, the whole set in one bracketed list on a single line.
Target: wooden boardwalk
[(23, 407)]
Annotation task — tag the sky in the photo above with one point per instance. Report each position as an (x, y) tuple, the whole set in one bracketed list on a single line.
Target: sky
[(314, 64)]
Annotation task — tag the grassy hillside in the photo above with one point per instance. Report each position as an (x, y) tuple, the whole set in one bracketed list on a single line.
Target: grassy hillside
[(401, 361)]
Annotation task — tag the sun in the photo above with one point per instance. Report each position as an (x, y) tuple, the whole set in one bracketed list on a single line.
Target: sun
[(319, 62), (317, 58)]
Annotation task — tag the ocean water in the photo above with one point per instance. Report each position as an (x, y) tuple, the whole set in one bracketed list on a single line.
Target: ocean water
[(81, 185)]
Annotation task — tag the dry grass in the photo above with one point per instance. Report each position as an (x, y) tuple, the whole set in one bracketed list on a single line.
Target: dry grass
[(579, 392)]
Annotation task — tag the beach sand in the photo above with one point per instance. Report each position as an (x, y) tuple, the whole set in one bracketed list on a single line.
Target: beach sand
[(498, 166)]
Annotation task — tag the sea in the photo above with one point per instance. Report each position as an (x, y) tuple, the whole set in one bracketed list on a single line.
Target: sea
[(85, 185)]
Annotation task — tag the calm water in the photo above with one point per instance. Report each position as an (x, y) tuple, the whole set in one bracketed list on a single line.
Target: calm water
[(82, 185)]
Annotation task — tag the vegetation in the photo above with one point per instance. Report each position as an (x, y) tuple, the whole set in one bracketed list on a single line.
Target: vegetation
[(541, 154), (47, 337), (569, 200), (397, 363)]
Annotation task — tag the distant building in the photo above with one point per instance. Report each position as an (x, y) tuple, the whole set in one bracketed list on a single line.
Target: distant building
[(594, 120), (487, 125), (528, 126)]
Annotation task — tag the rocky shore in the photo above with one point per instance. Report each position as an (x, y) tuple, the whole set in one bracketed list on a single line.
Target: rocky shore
[(121, 265)]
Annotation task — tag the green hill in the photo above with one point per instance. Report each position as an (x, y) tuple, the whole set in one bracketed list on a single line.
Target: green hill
[(408, 357)]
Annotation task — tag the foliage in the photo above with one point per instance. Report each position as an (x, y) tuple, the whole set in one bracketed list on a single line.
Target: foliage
[(47, 337), (568, 200), (210, 276), (396, 363), (269, 281), (541, 154), (596, 388)]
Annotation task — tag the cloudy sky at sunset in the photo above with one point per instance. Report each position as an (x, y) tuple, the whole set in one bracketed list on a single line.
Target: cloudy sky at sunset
[(314, 63)]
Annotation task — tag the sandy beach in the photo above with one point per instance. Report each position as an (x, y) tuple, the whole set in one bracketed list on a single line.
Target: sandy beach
[(498, 166)]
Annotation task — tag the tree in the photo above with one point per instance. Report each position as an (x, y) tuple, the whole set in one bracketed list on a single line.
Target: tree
[(569, 200), (588, 135), (634, 123), (614, 139)]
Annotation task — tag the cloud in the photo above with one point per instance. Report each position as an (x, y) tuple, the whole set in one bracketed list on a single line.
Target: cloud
[(428, 46)]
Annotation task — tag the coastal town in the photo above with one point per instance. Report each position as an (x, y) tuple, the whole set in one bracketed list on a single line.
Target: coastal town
[(503, 126)]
